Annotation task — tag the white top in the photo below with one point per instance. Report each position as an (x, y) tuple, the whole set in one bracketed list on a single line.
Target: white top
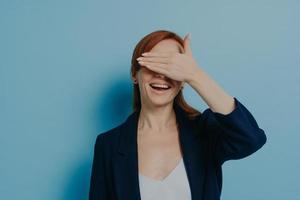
[(174, 187)]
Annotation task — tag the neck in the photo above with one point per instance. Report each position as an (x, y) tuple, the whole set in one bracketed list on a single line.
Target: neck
[(157, 118)]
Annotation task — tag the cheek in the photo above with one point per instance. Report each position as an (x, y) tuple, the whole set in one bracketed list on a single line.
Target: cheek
[(143, 84), (144, 76), (177, 85)]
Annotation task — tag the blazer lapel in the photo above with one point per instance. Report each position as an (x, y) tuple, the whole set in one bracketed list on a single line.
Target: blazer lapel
[(125, 163), (193, 151)]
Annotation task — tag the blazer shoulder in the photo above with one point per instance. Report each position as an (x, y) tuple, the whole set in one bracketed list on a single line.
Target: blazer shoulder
[(110, 136), (199, 122), (108, 140)]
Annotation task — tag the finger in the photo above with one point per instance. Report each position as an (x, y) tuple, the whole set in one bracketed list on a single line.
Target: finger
[(156, 54), (157, 69), (161, 65), (186, 44), (154, 59)]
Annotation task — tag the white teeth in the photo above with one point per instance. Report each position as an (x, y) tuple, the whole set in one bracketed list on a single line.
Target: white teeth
[(159, 85)]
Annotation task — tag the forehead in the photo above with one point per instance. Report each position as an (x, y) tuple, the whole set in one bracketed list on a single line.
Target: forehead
[(167, 45)]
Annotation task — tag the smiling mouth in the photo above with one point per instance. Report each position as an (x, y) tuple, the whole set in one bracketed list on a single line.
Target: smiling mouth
[(160, 87)]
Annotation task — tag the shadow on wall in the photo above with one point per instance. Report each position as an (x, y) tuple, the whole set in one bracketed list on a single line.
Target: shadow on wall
[(112, 108), (78, 182), (115, 104)]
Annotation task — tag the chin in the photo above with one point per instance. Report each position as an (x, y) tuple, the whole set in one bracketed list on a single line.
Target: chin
[(159, 102), (159, 98)]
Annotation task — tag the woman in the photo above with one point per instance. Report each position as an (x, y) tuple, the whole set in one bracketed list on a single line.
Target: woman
[(166, 149)]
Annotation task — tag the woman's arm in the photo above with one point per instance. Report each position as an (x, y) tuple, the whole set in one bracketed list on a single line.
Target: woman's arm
[(215, 97), (234, 135), (234, 131)]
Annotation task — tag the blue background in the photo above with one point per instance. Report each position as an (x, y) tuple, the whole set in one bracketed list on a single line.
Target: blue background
[(64, 78)]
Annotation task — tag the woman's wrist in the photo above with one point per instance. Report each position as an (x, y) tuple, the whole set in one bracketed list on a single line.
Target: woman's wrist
[(195, 77)]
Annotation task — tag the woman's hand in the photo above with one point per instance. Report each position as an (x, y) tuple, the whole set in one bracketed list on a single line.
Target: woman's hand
[(177, 66)]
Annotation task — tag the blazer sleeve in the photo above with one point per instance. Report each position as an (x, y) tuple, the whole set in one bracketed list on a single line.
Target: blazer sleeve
[(235, 135), (98, 183)]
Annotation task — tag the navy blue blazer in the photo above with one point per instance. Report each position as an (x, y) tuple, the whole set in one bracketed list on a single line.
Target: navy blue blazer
[(207, 141)]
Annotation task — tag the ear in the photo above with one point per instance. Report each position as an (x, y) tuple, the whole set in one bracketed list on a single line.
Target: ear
[(134, 80)]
